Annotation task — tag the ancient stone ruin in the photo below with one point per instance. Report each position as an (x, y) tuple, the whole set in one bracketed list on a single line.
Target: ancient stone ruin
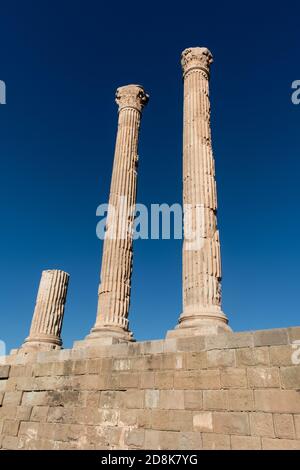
[(203, 387)]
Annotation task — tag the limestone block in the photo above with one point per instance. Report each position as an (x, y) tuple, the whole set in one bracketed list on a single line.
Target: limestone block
[(252, 357), (261, 424), (277, 401), (270, 337), (203, 421), (215, 399), (231, 423), (212, 441), (281, 355), (171, 399), (245, 443), (233, 377), (220, 358), (170, 420), (284, 426), (263, 377), (193, 399), (241, 400), (280, 444), (290, 377)]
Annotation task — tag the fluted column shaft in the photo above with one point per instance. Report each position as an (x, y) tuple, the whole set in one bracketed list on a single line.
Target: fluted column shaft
[(116, 269), (202, 311), (46, 326)]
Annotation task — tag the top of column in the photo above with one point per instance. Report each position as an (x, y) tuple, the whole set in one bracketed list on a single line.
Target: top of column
[(196, 58), (131, 96)]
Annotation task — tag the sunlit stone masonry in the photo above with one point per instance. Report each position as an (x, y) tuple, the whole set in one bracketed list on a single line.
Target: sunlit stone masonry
[(202, 313), (115, 286), (45, 331)]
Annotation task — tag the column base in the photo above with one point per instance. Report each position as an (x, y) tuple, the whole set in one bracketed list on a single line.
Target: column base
[(105, 336), (42, 343), (201, 323)]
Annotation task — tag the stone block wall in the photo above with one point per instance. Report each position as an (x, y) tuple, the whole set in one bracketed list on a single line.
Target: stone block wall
[(231, 391)]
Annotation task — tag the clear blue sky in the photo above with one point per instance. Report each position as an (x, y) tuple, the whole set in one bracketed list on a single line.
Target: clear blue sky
[(62, 62)]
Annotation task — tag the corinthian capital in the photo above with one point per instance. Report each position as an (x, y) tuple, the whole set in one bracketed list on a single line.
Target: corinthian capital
[(131, 96), (196, 58)]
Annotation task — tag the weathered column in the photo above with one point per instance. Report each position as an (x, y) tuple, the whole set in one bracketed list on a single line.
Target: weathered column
[(45, 331), (115, 285), (202, 313)]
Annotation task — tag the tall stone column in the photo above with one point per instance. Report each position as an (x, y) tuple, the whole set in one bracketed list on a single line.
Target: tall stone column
[(202, 313), (45, 331), (115, 285)]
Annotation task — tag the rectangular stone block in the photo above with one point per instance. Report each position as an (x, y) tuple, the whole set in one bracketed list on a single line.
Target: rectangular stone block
[(147, 379), (169, 440), (270, 337), (193, 399), (10, 443), (263, 377), (129, 379), (197, 380), (231, 423), (23, 413), (39, 413), (152, 398), (29, 429), (12, 398), (284, 426), (245, 443), (134, 399), (281, 355), (21, 370), (171, 399), (8, 412), (83, 366), (26, 384), (1, 398), (215, 399), (175, 361), (233, 377), (241, 400), (152, 439), (152, 347), (164, 380), (290, 377), (44, 369), (4, 371), (221, 358), (252, 357), (212, 441), (277, 401), (229, 341), (111, 399), (34, 398), (59, 414), (203, 421), (195, 360), (280, 444), (143, 418), (190, 441), (135, 438), (172, 420), (193, 344), (261, 424), (11, 427)]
